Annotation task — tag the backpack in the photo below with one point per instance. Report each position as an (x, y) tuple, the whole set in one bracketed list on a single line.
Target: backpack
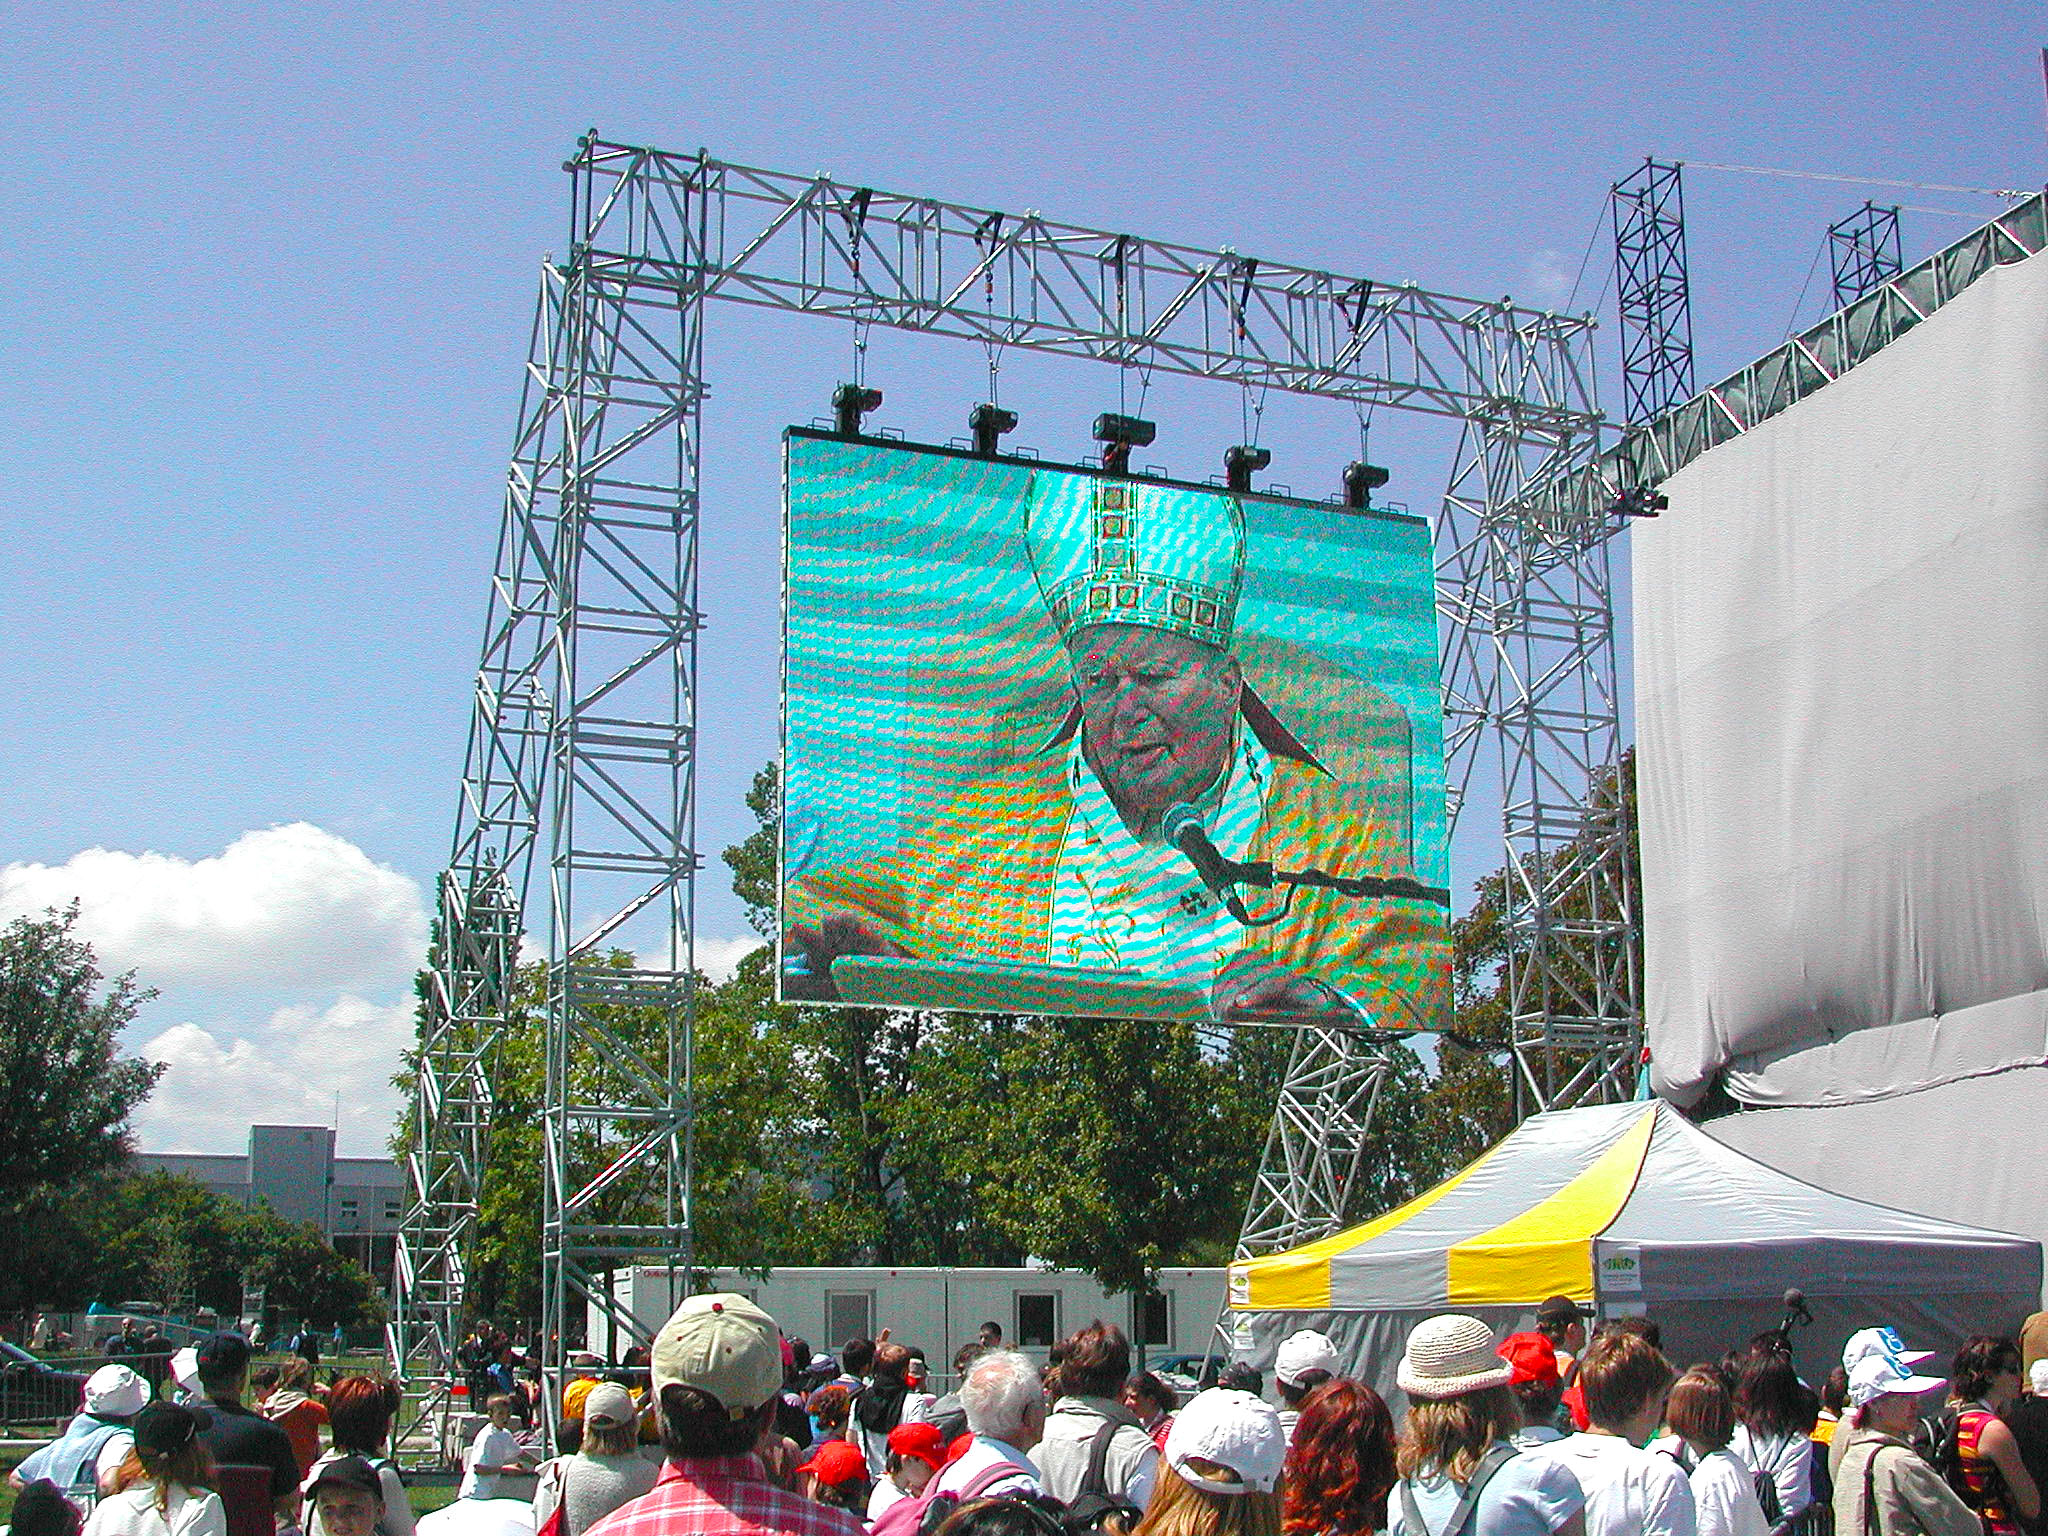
[(1468, 1501), (1094, 1503), (923, 1513)]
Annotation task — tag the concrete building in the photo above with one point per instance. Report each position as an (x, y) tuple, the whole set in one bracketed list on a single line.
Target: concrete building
[(356, 1201)]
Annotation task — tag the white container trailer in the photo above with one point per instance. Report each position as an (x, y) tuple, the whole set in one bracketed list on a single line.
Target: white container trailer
[(935, 1308)]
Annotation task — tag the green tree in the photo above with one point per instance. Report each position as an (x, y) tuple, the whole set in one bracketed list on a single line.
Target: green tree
[(68, 1093)]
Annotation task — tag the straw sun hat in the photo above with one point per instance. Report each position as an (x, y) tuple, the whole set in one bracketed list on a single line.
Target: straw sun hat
[(1449, 1356)]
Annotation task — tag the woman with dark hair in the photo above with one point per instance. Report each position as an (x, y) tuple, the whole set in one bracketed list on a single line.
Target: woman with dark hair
[(40, 1510), (1983, 1384), (1701, 1416), (1455, 1447), (359, 1414), (1153, 1402), (1008, 1516), (1774, 1424), (1340, 1463), (165, 1487)]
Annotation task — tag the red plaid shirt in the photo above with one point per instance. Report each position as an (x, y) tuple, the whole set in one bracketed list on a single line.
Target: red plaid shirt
[(723, 1496)]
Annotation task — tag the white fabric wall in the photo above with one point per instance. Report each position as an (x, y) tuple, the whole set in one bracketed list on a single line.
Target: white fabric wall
[(1841, 637)]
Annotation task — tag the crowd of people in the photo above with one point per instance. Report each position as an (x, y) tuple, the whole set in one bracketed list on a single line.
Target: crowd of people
[(227, 1448), (730, 1429)]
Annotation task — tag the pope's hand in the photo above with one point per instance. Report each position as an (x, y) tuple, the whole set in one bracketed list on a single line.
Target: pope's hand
[(841, 933), (1255, 989)]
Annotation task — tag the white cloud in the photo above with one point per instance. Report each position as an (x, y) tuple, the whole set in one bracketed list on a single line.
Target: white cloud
[(719, 958), (289, 906), (288, 1073), (1545, 282)]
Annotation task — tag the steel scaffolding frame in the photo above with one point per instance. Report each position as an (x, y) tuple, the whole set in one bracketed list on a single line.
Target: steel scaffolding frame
[(584, 730), (1864, 251), (1654, 288)]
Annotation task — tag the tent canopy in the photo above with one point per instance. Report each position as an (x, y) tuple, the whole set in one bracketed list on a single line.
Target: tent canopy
[(1624, 1204)]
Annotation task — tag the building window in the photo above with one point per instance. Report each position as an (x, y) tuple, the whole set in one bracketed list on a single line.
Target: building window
[(1038, 1319), (848, 1315), (391, 1210), (348, 1210), (1158, 1329)]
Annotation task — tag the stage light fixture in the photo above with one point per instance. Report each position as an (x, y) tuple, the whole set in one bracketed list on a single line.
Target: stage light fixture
[(1119, 435), (1360, 481), (850, 402), (988, 422), (1639, 501), (1241, 463)]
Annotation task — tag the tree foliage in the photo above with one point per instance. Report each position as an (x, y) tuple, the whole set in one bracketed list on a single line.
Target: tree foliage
[(68, 1093)]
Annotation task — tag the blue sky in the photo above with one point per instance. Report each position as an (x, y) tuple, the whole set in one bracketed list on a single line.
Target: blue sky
[(270, 272)]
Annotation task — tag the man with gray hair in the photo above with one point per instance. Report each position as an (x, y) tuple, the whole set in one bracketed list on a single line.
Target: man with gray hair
[(1005, 1403)]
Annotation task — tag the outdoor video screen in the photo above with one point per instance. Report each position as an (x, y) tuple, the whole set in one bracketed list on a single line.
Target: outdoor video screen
[(1061, 742)]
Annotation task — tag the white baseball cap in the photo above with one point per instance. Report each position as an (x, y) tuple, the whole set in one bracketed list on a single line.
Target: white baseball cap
[(1228, 1428), (2037, 1378), (1881, 1376), (115, 1392), (1303, 1352), (723, 1346), (1880, 1341)]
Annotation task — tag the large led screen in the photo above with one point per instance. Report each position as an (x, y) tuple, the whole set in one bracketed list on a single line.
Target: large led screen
[(1059, 742)]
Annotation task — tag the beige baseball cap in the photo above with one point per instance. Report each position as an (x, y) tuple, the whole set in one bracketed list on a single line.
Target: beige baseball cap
[(723, 1346)]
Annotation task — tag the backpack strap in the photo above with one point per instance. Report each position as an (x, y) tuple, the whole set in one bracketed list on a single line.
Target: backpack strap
[(1097, 1478), (983, 1480), (1496, 1457)]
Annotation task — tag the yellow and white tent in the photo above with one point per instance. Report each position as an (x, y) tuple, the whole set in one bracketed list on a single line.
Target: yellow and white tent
[(1631, 1208)]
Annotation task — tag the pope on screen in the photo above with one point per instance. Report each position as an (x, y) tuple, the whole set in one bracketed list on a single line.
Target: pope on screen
[(1058, 861)]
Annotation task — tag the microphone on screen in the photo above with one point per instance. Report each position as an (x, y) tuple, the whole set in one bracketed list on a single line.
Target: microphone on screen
[(1181, 827)]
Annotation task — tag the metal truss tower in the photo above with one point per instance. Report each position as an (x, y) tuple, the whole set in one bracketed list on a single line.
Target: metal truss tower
[(1655, 293), (1864, 251), (583, 746)]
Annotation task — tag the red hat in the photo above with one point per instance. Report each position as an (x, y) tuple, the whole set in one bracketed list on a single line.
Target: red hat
[(836, 1462), (924, 1441), (1533, 1356)]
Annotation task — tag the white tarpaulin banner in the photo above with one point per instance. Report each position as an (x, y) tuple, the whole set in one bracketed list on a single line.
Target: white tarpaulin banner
[(1841, 630)]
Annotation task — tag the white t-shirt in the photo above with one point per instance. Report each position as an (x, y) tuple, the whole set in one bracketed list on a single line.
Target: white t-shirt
[(1629, 1491), (1528, 1496), (886, 1493), (492, 1447), (133, 1512), (1725, 1495), (1788, 1459)]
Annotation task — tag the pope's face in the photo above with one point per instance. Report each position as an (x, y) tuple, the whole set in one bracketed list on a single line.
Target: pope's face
[(1156, 712)]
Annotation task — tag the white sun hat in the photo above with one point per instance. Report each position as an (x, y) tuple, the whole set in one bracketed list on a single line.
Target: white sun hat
[(1880, 1375), (1227, 1428), (1880, 1341), (115, 1392), (1449, 1356)]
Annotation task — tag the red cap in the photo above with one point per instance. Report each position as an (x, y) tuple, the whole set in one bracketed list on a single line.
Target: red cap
[(959, 1447), (924, 1441), (1533, 1356), (836, 1462)]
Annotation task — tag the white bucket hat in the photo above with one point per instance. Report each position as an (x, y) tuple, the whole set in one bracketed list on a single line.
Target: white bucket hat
[(1231, 1429), (115, 1392), (1449, 1356), (1303, 1352)]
